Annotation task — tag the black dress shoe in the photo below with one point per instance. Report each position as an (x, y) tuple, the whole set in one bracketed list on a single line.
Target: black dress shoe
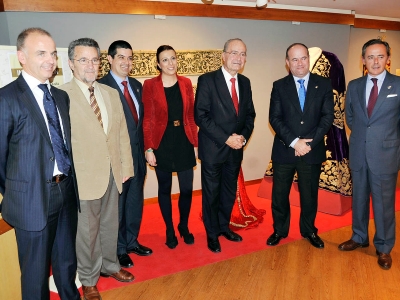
[(315, 240), (141, 250), (231, 236), (125, 261), (274, 239), (213, 245)]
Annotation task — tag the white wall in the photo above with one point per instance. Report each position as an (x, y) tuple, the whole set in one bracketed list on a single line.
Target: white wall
[(266, 45)]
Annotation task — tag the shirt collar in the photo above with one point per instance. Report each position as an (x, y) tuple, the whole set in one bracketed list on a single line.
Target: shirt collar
[(84, 86), (306, 78), (32, 81), (118, 79), (380, 77), (227, 75)]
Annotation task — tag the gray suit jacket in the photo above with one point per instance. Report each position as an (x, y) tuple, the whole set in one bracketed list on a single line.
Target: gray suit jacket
[(376, 139)]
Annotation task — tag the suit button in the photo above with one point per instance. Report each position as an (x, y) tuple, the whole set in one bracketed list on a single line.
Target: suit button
[(301, 122), (52, 158)]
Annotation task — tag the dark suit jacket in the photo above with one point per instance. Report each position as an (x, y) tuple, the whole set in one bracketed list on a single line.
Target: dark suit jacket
[(216, 116), (26, 155), (289, 122), (376, 139), (135, 131), (156, 111)]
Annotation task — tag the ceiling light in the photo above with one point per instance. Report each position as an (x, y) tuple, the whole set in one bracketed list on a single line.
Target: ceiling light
[(261, 3)]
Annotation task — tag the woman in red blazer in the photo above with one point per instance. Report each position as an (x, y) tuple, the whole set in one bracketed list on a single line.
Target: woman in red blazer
[(170, 139)]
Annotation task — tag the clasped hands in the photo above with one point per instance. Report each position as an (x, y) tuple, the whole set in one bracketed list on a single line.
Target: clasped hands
[(302, 147), (235, 141)]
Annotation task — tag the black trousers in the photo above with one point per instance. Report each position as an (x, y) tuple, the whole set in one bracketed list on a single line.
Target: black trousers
[(130, 211), (219, 185), (54, 245), (185, 179), (308, 179)]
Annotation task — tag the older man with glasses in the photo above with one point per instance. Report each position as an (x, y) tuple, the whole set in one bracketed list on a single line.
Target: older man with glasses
[(102, 152), (224, 112)]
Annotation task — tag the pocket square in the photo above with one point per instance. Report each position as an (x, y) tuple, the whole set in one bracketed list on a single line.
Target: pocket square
[(391, 95)]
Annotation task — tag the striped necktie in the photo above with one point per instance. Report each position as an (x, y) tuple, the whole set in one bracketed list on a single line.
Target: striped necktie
[(95, 106)]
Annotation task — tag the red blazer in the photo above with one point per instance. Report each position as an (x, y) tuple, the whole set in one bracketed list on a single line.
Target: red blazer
[(155, 117)]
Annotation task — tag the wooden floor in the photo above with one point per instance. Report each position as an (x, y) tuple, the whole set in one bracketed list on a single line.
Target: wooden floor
[(291, 271)]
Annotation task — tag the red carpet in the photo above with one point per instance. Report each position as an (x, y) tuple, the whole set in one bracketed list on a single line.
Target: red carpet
[(184, 257)]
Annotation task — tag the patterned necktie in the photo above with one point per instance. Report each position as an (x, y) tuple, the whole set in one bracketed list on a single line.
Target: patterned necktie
[(372, 97), (302, 93), (235, 98), (95, 106), (57, 140), (129, 100)]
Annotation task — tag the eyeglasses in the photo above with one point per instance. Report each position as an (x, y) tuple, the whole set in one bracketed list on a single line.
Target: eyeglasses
[(235, 53), (85, 61)]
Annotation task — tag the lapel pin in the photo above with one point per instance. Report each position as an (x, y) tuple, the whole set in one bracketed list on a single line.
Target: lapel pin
[(316, 86), (137, 90), (389, 87)]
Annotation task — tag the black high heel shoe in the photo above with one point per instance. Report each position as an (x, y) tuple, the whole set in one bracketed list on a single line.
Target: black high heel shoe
[(188, 238), (172, 241)]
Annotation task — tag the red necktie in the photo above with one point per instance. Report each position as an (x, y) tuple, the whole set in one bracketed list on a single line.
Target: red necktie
[(372, 97), (129, 100), (235, 98)]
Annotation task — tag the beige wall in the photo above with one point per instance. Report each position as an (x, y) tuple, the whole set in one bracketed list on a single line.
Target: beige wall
[(266, 42), (10, 275), (358, 37), (9, 266)]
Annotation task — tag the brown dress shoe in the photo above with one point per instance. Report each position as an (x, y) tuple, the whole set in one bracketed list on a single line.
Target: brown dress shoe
[(384, 260), (351, 245), (122, 275), (90, 293)]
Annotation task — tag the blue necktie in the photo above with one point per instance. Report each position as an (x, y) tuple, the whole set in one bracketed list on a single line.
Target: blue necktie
[(57, 140), (302, 93)]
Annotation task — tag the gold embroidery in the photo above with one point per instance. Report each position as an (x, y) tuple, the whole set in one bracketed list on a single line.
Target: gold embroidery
[(190, 62)]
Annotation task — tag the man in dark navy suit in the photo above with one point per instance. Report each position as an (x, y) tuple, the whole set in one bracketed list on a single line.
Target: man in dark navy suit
[(130, 204), (301, 113), (37, 178)]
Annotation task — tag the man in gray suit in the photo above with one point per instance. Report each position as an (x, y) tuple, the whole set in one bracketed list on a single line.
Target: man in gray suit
[(372, 114)]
